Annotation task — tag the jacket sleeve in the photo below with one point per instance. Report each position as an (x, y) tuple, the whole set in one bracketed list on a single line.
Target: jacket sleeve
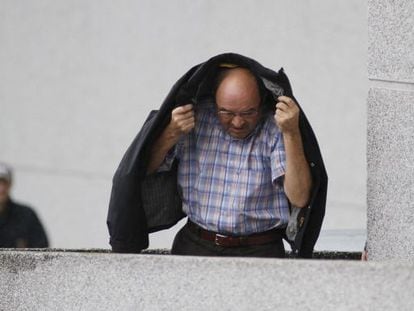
[(310, 218), (126, 218), (127, 221), (316, 210)]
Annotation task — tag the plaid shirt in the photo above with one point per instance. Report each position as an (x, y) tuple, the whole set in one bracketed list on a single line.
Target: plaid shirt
[(232, 186)]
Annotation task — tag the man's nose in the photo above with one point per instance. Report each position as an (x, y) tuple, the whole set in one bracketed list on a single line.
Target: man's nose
[(237, 121)]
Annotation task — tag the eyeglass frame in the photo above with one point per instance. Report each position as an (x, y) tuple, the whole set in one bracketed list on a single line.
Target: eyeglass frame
[(229, 115)]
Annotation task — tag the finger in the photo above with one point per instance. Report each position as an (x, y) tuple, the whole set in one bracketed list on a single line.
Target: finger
[(183, 109), (183, 117), (280, 113), (180, 123), (189, 114), (185, 123), (280, 118), (188, 127), (287, 100), (180, 114), (282, 106)]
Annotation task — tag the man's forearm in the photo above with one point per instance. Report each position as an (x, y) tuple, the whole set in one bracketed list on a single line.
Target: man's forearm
[(298, 180), (182, 122), (160, 149)]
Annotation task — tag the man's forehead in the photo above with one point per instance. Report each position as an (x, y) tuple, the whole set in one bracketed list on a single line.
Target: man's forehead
[(238, 80), (239, 72)]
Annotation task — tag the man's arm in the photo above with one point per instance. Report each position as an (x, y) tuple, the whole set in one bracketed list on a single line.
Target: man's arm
[(37, 236), (182, 122), (298, 180)]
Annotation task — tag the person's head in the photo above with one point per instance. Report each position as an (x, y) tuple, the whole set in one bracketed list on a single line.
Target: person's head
[(5, 182), (238, 101)]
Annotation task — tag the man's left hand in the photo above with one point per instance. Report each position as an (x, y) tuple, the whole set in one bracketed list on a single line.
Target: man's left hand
[(298, 180), (287, 115)]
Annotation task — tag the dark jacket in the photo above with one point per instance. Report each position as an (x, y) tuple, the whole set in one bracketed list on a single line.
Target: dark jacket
[(20, 227), (143, 204)]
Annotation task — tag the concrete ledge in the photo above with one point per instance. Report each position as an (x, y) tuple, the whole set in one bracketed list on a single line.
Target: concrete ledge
[(103, 281), (333, 255)]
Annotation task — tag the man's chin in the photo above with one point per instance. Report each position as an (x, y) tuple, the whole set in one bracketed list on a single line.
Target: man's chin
[(239, 134)]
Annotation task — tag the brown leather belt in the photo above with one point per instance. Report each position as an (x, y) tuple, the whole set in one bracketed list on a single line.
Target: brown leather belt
[(235, 241)]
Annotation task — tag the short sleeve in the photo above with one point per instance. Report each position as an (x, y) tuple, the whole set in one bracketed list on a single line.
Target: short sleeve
[(172, 155), (278, 158)]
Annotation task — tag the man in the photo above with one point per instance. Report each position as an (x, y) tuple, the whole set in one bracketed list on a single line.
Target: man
[(231, 149), (19, 225), (250, 146)]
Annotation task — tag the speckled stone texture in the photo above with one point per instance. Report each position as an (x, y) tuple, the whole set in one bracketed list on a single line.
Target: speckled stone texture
[(390, 174), (81, 281), (390, 148), (391, 40)]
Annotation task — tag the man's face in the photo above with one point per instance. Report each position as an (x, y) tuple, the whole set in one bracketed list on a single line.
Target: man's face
[(4, 190), (238, 103)]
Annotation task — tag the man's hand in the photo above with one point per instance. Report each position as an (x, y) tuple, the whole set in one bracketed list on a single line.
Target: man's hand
[(287, 115), (182, 121), (298, 181)]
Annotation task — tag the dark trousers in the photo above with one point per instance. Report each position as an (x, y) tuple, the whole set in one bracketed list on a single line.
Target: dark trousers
[(188, 243)]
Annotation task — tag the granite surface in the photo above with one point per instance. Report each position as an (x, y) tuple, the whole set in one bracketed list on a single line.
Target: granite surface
[(390, 174), (100, 281), (391, 40)]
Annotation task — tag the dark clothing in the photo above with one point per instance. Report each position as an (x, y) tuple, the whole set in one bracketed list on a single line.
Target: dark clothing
[(187, 242), (20, 228), (142, 204)]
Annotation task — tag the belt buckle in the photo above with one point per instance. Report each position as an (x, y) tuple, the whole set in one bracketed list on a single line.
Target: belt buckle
[(217, 237)]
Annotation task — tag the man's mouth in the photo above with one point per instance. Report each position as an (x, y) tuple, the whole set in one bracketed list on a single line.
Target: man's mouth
[(235, 129), (238, 132)]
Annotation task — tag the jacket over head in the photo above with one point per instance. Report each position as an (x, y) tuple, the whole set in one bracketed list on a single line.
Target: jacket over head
[(142, 204)]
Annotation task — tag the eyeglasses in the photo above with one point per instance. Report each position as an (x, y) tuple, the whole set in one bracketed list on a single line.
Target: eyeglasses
[(226, 114)]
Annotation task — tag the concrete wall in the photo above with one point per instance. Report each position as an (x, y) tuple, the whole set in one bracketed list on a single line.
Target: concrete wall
[(78, 78), (391, 129), (74, 281)]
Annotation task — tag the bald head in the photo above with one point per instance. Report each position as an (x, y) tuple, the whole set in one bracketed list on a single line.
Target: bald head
[(238, 93), (237, 84)]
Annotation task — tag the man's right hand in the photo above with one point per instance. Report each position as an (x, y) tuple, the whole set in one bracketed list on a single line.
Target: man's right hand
[(182, 121)]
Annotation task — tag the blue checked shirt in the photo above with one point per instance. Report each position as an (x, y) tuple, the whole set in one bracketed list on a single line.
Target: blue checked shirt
[(231, 186)]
